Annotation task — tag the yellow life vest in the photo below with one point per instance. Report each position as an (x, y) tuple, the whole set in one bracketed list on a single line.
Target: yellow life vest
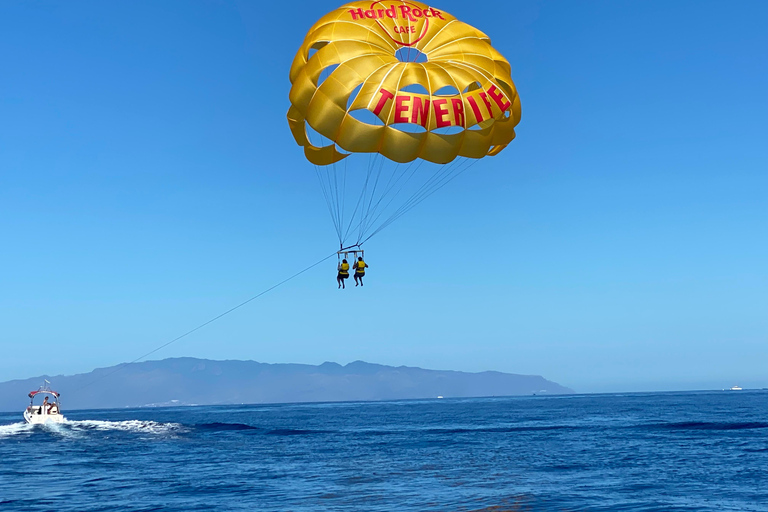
[(344, 270), (360, 269)]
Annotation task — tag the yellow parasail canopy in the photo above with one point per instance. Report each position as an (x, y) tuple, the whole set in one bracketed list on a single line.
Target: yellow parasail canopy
[(362, 44)]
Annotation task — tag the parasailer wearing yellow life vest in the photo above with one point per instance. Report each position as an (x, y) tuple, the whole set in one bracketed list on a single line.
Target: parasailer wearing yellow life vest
[(343, 273), (359, 267)]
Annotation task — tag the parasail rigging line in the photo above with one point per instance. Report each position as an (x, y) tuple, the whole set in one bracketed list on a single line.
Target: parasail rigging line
[(435, 183), (382, 186), (328, 202), (217, 317), (367, 207), (343, 192), (395, 195), (441, 177), (365, 221), (373, 158), (413, 201)]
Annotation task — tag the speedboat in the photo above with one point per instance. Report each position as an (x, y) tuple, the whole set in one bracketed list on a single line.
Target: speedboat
[(736, 388), (48, 411)]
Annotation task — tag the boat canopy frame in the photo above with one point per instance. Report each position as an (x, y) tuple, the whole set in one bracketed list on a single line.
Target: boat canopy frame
[(45, 389)]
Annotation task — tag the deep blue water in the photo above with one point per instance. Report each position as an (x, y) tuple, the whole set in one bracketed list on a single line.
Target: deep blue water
[(705, 451)]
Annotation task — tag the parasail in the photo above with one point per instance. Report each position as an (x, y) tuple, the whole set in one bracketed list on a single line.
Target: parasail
[(390, 101)]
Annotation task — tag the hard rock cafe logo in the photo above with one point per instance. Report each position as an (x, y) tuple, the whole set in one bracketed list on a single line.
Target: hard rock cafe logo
[(406, 24)]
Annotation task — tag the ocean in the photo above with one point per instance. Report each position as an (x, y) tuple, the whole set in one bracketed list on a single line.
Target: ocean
[(700, 451)]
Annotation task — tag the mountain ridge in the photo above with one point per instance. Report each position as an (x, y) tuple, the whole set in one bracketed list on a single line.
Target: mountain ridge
[(194, 381)]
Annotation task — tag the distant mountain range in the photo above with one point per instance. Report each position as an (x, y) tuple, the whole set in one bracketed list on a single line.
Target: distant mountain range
[(190, 381)]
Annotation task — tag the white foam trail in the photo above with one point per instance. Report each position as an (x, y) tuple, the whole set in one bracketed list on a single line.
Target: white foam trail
[(147, 427), (14, 429), (61, 429), (79, 428)]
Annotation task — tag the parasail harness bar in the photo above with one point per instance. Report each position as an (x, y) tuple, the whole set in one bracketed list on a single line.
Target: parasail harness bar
[(354, 250)]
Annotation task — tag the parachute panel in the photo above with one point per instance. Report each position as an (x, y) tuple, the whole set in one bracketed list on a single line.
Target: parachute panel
[(405, 95)]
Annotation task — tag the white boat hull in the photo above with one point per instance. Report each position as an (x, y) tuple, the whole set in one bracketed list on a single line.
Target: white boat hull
[(41, 419)]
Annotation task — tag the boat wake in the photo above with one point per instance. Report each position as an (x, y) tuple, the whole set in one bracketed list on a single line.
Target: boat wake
[(139, 426), (14, 429), (76, 428)]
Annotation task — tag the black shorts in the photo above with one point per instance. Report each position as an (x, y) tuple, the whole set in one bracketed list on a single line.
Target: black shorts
[(359, 274), (342, 276)]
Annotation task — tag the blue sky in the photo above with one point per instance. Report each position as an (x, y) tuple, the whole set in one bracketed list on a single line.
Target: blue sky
[(148, 182)]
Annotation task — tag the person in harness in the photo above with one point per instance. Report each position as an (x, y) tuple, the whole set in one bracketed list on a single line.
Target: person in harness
[(343, 273), (359, 267)]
